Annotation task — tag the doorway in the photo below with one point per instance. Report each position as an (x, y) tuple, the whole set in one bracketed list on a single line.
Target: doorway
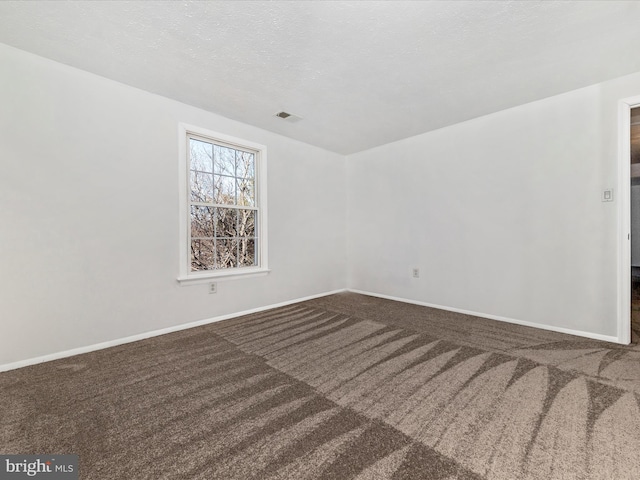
[(634, 170), (627, 277)]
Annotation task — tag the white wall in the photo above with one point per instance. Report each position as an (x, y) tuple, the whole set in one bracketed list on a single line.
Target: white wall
[(502, 214), (89, 213)]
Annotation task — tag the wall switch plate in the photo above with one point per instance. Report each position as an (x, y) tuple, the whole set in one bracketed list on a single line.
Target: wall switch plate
[(607, 195), (213, 287), (416, 273)]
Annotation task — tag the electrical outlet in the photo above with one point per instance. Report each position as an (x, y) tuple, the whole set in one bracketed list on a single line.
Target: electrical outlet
[(416, 273), (213, 287)]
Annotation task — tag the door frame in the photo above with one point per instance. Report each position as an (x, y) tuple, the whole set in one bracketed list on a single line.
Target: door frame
[(624, 217)]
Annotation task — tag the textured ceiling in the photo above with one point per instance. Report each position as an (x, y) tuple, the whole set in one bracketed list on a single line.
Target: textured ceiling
[(361, 74)]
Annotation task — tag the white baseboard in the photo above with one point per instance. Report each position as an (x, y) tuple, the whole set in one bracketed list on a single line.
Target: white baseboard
[(579, 333), (154, 333)]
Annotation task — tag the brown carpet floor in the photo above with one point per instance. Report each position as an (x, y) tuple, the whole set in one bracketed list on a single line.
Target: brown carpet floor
[(341, 387)]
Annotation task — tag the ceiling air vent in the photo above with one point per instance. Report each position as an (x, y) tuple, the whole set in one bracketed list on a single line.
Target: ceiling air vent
[(289, 117)]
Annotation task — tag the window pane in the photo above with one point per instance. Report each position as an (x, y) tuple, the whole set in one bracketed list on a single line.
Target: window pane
[(223, 204), (246, 226), (226, 222), (202, 255), (245, 165), (201, 155), (226, 252), (246, 192), (247, 253), (201, 222), (225, 190), (225, 161), (201, 187)]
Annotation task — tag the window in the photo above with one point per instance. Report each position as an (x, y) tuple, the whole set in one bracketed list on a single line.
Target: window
[(223, 219)]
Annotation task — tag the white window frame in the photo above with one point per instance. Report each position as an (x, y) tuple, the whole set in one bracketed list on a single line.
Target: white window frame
[(186, 276)]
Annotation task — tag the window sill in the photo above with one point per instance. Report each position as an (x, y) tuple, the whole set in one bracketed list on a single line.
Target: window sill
[(207, 277)]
